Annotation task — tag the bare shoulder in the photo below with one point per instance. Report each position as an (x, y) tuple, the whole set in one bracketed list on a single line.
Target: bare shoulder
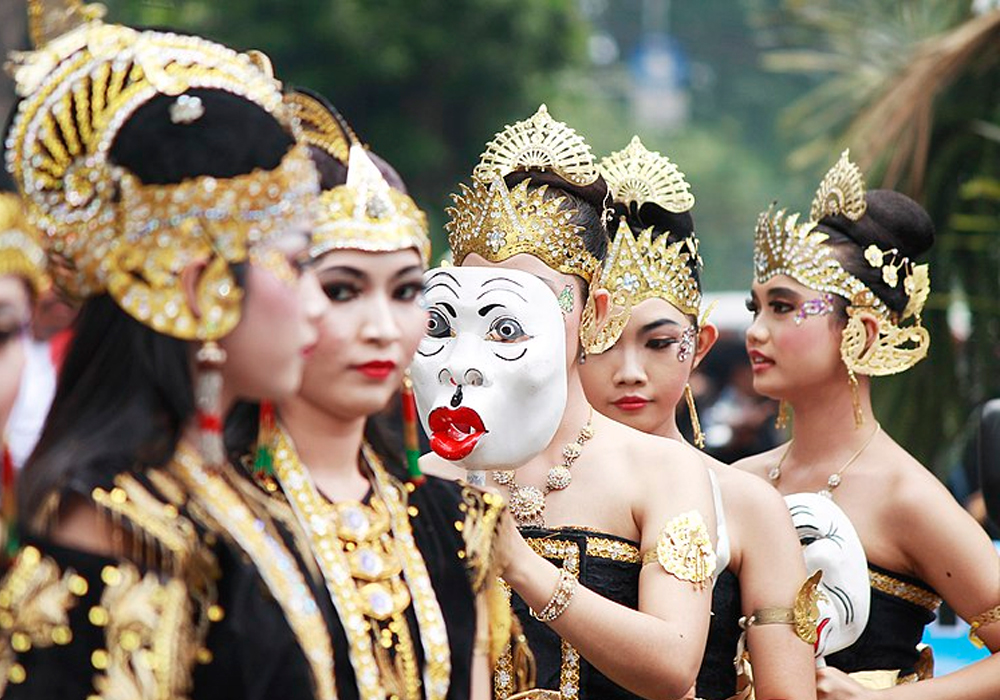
[(760, 464), (745, 493), (650, 456), (435, 465)]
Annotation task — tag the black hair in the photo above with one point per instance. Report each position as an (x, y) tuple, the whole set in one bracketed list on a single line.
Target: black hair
[(587, 203), (675, 226), (891, 221), (125, 391)]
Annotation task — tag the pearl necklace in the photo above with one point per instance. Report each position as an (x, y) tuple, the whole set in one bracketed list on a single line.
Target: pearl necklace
[(527, 503), (835, 479)]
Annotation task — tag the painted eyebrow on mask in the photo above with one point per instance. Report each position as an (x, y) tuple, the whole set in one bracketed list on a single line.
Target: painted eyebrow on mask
[(489, 307), (501, 289), (448, 307), (432, 282)]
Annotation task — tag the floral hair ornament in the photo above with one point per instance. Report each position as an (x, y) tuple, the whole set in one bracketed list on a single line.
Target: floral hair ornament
[(110, 231), (20, 252), (497, 223), (637, 267)]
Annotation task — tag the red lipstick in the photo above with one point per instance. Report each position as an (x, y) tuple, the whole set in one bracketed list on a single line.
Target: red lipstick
[(455, 432), (377, 369), (631, 403), (759, 361)]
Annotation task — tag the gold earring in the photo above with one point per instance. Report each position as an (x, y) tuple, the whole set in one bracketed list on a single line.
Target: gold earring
[(859, 416), (784, 415), (699, 437)]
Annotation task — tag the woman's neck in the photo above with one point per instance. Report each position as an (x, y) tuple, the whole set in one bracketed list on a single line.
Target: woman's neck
[(823, 423), (327, 446), (576, 415)]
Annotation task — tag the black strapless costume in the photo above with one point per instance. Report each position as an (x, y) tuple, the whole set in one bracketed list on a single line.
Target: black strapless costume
[(717, 677), (901, 607), (606, 564)]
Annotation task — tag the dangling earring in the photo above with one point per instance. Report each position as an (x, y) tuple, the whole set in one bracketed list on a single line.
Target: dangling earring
[(784, 415), (263, 462), (411, 443), (583, 356), (859, 416), (699, 437), (208, 402)]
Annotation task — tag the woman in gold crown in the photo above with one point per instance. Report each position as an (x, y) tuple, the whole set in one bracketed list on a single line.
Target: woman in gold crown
[(407, 624), (611, 573), (164, 173), (22, 279), (837, 300), (637, 371)]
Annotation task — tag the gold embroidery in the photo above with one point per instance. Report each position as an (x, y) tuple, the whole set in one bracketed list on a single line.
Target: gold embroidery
[(373, 571), (482, 518), (906, 591), (34, 610), (616, 550), (569, 554), (149, 633), (684, 549), (278, 569)]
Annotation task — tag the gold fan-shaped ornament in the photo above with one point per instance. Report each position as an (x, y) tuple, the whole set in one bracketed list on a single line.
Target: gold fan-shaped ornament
[(321, 127), (538, 143), (842, 191), (637, 175)]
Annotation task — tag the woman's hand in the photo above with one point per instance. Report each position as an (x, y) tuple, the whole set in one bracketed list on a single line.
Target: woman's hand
[(509, 544), (834, 684)]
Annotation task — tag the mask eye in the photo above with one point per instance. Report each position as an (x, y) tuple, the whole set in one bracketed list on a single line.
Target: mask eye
[(506, 330), (437, 325)]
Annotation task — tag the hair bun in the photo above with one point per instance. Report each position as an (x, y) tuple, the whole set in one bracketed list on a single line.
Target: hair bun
[(891, 220)]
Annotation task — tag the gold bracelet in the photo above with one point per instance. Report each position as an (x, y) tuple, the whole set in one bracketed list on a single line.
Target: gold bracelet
[(981, 620), (561, 597)]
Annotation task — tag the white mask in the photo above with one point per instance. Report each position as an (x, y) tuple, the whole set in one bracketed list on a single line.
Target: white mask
[(490, 374), (831, 543)]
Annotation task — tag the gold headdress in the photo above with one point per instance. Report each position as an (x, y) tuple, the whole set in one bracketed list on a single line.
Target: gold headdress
[(496, 222), (638, 176), (367, 214), (20, 252), (640, 268), (364, 213), (637, 269), (114, 233), (785, 247)]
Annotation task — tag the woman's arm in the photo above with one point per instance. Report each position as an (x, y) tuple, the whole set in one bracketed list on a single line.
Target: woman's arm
[(953, 554), (654, 651), (482, 676), (771, 572)]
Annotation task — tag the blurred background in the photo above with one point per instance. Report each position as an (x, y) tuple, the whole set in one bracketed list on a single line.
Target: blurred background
[(754, 99)]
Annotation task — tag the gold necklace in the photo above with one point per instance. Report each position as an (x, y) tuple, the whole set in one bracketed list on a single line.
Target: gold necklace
[(835, 479), (373, 571), (527, 503), (277, 567)]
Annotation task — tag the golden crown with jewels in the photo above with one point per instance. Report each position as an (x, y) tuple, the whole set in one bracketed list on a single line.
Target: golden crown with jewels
[(496, 222), (638, 267), (110, 232), (783, 246), (20, 252)]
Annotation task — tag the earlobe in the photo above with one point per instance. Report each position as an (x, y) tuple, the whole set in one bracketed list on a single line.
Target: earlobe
[(191, 277), (707, 335)]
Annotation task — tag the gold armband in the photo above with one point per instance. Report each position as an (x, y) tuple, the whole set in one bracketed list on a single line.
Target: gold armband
[(804, 614), (684, 549), (981, 620)]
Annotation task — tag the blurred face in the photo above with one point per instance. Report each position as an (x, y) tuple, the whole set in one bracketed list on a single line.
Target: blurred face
[(494, 354), (15, 313), (641, 378), (51, 315), (372, 322), (267, 350), (794, 341), (831, 544)]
